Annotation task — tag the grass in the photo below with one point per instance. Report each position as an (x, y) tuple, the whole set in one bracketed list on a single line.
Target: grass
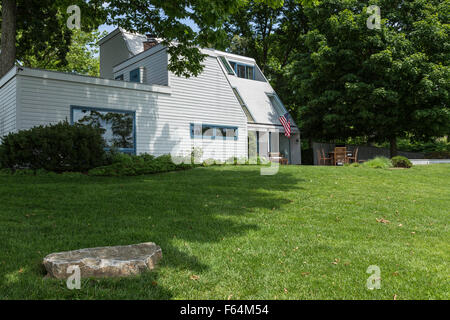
[(378, 163), (228, 232)]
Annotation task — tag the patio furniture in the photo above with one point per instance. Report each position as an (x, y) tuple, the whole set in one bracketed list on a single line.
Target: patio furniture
[(321, 157), (277, 157), (353, 157), (340, 155)]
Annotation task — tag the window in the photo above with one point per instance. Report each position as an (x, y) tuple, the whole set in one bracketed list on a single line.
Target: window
[(135, 75), (226, 65), (118, 127), (240, 71), (243, 106), (249, 72), (119, 78), (243, 70), (207, 131)]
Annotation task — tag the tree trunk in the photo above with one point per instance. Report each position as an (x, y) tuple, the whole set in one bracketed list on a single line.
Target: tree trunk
[(8, 39), (393, 146)]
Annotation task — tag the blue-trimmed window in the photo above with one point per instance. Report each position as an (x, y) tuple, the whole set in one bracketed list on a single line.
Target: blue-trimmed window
[(118, 127), (243, 70), (208, 131), (135, 75)]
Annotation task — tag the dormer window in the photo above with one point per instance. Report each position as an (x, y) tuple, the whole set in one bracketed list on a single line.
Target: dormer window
[(243, 70)]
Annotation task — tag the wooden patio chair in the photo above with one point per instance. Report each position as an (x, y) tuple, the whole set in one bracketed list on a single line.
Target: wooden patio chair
[(321, 157), (354, 157), (340, 155), (277, 157)]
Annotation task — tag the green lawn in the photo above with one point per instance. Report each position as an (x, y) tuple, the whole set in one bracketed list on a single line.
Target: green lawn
[(244, 235)]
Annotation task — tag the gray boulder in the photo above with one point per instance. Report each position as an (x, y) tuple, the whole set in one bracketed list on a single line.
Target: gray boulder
[(115, 261)]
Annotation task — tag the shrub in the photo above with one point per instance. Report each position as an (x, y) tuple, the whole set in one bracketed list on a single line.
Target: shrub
[(378, 163), (127, 165), (438, 155), (401, 162), (59, 147)]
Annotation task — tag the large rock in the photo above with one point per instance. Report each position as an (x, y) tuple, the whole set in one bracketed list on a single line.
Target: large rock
[(105, 261)]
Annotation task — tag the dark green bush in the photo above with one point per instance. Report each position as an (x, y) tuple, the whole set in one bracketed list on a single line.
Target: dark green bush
[(59, 147), (127, 165), (401, 162)]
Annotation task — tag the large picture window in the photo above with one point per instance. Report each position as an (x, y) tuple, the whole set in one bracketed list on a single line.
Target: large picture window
[(118, 127), (207, 131)]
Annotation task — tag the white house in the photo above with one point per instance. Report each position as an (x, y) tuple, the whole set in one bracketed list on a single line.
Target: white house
[(229, 110)]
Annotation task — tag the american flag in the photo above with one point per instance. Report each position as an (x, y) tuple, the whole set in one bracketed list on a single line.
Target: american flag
[(286, 122)]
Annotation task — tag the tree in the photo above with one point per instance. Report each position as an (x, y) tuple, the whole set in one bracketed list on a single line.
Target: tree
[(8, 38), (271, 36), (169, 20), (82, 55), (38, 30), (353, 81)]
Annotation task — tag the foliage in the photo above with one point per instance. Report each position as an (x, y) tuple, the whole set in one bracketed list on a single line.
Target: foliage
[(438, 155), (401, 162), (270, 35), (58, 147), (435, 145), (43, 39), (183, 40), (82, 55), (129, 165), (378, 163), (354, 81)]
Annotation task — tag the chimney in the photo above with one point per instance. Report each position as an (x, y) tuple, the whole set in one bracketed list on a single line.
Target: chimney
[(150, 42)]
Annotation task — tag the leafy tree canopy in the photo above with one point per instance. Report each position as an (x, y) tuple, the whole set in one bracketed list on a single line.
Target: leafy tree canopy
[(82, 55), (393, 82), (169, 20), (42, 36)]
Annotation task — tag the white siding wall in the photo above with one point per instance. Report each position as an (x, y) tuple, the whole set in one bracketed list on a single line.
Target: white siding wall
[(209, 99), (8, 107), (155, 69), (112, 52), (46, 101), (163, 120)]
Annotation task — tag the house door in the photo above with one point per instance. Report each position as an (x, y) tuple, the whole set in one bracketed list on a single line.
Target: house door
[(285, 149)]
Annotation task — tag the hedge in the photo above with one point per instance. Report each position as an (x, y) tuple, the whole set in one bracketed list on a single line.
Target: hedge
[(58, 147)]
